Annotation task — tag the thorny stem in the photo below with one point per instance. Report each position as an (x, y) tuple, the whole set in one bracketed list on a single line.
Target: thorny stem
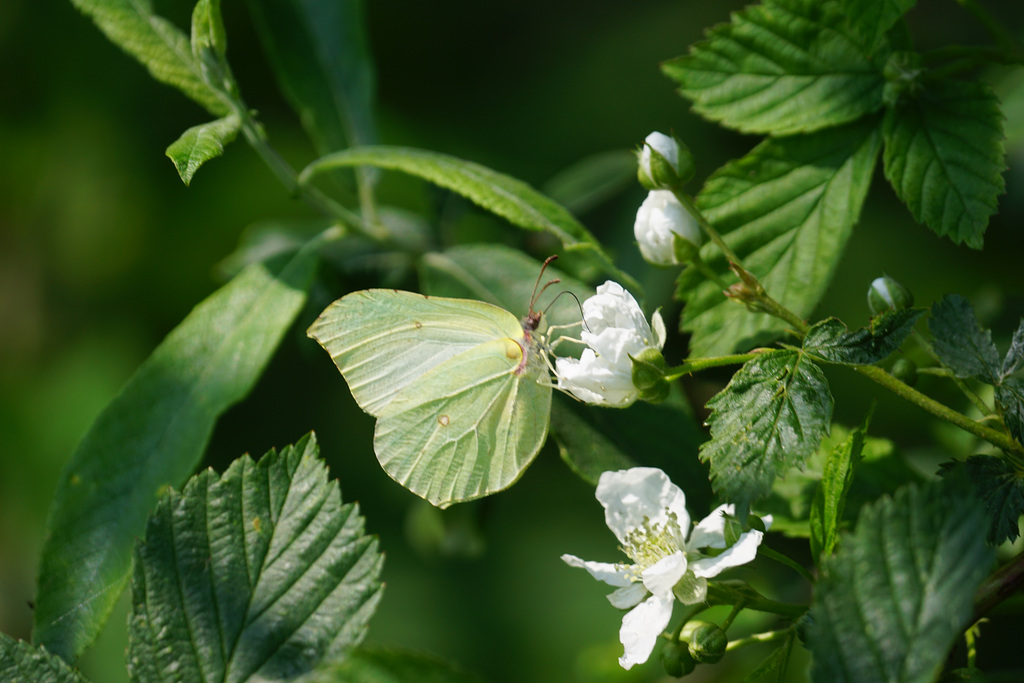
[(706, 227), (994, 437)]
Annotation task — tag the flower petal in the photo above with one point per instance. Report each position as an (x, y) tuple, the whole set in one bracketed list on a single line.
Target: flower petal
[(743, 551), (710, 531), (628, 496), (628, 596), (611, 574), (665, 573), (641, 627)]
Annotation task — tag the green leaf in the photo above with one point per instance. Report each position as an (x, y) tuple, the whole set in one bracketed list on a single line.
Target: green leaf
[(1010, 395), (320, 55), (155, 42), (151, 436), (771, 416), (380, 665), (775, 663), (960, 343), (199, 144), (786, 209), (503, 195), (899, 591), (504, 277), (586, 450), (780, 67), (208, 32), (999, 485), (944, 157), (592, 180), (830, 341), (1014, 359), (22, 662), (870, 20), (259, 574), (830, 498)]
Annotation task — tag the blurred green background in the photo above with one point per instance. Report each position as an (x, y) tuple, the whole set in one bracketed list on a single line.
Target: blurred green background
[(103, 250)]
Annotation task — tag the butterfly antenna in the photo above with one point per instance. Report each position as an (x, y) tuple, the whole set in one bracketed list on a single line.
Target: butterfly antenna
[(578, 304), (536, 294)]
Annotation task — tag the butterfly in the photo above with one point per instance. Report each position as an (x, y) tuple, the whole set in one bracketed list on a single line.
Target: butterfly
[(460, 388)]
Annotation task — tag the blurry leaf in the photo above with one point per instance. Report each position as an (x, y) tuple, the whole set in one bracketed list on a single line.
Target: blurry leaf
[(208, 29), (871, 19), (830, 341), (944, 157), (1010, 395), (900, 589), (320, 56), (267, 239), (830, 498), (880, 471), (504, 277), (151, 436), (199, 144), (586, 451), (22, 662), (592, 180), (775, 663), (592, 440), (959, 341), (503, 195), (1015, 356), (1000, 487), (259, 574), (155, 42), (786, 209), (771, 416), (780, 67), (380, 665)]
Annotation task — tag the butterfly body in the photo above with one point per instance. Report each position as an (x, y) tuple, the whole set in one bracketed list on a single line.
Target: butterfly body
[(459, 388)]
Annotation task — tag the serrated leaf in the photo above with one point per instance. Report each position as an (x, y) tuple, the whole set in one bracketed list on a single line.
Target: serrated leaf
[(159, 45), (944, 157), (999, 485), (1010, 395), (959, 341), (503, 195), (871, 19), (22, 662), (899, 591), (771, 416), (830, 340), (380, 665), (319, 52), (199, 144), (830, 497), (259, 574), (786, 209), (1014, 359), (502, 276), (780, 67), (151, 436)]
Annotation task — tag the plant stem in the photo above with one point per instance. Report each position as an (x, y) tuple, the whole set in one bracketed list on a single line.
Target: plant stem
[(997, 438), (766, 637), (706, 227), (691, 366), (779, 557), (1006, 581)]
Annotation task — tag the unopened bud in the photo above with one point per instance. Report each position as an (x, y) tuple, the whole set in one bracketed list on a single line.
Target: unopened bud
[(676, 659), (665, 230), (664, 163), (885, 294), (707, 643)]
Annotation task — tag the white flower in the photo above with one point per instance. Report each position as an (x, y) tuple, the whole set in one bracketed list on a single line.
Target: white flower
[(614, 329), (647, 513), (666, 232)]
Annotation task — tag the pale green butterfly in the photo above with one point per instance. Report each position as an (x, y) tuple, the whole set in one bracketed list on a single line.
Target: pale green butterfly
[(460, 388)]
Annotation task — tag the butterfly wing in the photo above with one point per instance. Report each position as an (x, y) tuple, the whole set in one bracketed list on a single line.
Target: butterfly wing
[(383, 339), (467, 428)]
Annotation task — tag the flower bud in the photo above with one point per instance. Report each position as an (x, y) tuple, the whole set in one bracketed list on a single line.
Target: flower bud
[(665, 230), (904, 370), (902, 73), (885, 293), (664, 163), (676, 659), (649, 375), (707, 643)]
